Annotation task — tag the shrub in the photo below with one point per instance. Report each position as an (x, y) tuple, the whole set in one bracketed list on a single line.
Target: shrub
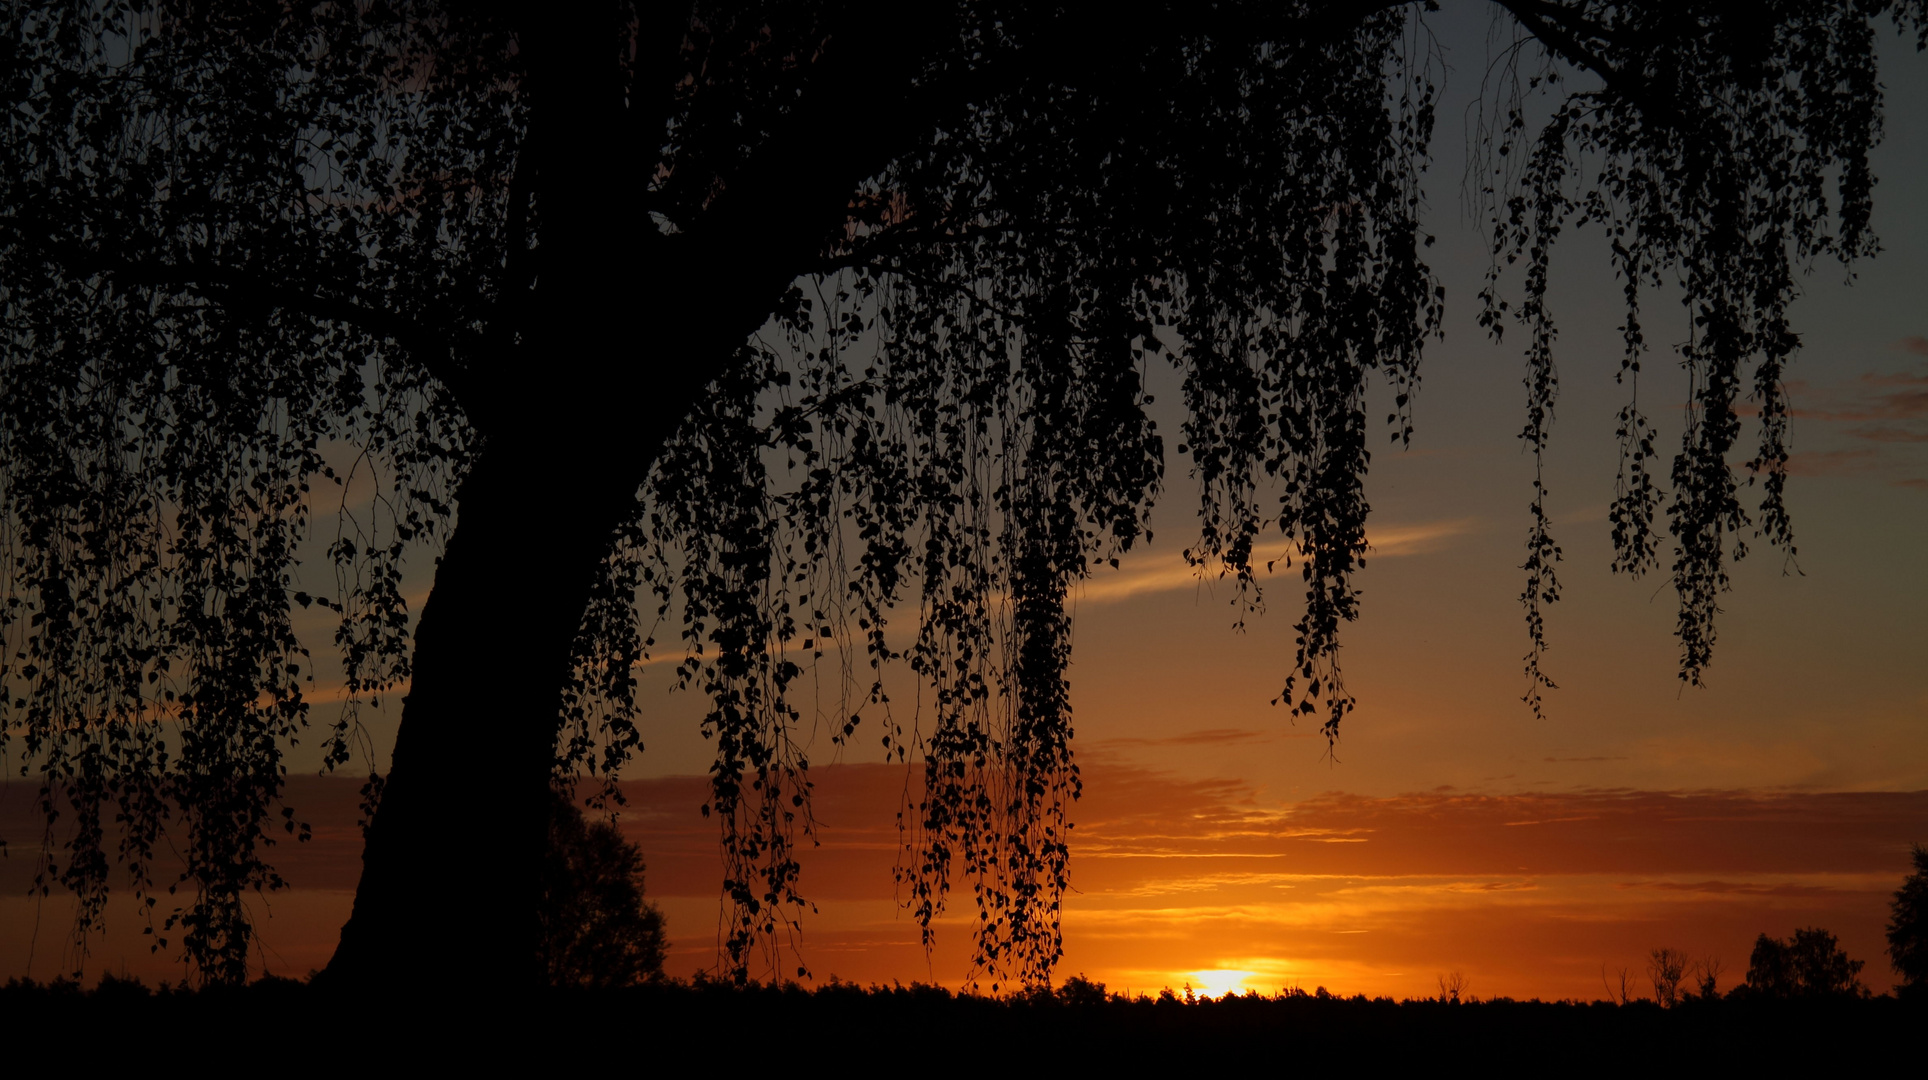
[(1810, 965)]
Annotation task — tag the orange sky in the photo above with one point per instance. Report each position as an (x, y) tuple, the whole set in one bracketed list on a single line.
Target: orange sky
[(1207, 881), (1454, 830), (1527, 894)]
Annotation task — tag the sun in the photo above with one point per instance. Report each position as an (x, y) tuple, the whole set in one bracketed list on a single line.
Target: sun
[(1218, 982)]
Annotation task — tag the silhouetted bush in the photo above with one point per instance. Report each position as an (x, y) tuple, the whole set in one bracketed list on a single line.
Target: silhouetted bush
[(1908, 928), (1080, 991), (597, 930), (1810, 965)]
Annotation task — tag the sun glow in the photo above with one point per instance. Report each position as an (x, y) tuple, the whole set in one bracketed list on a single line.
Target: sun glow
[(1218, 982)]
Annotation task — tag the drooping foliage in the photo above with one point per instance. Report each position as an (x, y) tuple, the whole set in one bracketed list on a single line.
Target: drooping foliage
[(240, 253), (959, 422), (170, 182), (1721, 152)]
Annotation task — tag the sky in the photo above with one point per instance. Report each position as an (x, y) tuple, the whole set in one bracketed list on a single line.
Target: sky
[(1450, 829)]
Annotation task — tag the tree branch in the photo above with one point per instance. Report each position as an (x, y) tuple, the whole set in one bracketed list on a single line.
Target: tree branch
[(777, 203), (256, 289), (1535, 16)]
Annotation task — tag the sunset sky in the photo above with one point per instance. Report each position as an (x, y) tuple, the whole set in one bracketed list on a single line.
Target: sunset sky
[(1450, 830)]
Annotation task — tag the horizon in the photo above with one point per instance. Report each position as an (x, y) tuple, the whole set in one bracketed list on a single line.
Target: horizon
[(1527, 896)]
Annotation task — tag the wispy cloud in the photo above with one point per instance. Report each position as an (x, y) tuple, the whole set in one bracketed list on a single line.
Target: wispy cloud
[(1205, 737), (1530, 893), (1834, 462), (1736, 888), (1888, 410), (1170, 572), (1175, 876)]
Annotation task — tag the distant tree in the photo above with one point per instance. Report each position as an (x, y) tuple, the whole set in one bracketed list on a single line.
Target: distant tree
[(1770, 969), (1665, 969), (1078, 990), (1707, 977), (597, 929), (1908, 926), (1620, 988), (1809, 965), (761, 325)]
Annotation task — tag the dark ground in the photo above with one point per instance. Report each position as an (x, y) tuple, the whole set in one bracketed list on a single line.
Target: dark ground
[(281, 1026)]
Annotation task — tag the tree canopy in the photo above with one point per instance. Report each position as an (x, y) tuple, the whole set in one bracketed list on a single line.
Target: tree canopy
[(597, 930), (763, 335), (1808, 965), (1908, 924)]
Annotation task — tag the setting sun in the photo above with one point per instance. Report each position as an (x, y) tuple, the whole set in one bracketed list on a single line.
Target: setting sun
[(1218, 982)]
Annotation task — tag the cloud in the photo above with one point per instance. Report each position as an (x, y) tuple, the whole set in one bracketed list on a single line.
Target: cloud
[(1135, 814), (1733, 888), (1915, 344), (1887, 409), (1892, 434), (1833, 462), (1206, 737), (1170, 573), (1872, 396), (1528, 893)]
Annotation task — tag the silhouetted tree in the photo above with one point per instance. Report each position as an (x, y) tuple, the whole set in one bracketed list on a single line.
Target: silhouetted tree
[(1620, 988), (597, 930), (1082, 992), (1908, 925), (1809, 965), (1707, 977), (1665, 970), (786, 317)]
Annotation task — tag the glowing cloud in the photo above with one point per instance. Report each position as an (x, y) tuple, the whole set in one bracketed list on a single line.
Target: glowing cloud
[(1170, 573)]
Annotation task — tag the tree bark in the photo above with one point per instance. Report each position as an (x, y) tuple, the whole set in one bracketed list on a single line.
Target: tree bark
[(448, 882), (574, 419), (625, 328)]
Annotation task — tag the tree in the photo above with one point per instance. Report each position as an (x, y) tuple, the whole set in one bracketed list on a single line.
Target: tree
[(785, 317), (597, 930), (1666, 968), (1809, 965), (1908, 925), (1707, 977)]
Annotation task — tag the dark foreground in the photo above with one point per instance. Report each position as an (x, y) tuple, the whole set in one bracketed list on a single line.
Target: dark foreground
[(921, 1030)]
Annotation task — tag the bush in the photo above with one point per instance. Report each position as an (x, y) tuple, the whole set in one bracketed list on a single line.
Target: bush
[(597, 930), (1908, 927), (1811, 965)]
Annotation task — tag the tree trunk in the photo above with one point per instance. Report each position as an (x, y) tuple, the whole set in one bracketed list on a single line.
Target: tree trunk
[(448, 882), (572, 423), (628, 327)]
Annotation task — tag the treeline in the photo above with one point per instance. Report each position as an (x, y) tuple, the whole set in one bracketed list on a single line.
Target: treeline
[(1808, 966), (1077, 1022)]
